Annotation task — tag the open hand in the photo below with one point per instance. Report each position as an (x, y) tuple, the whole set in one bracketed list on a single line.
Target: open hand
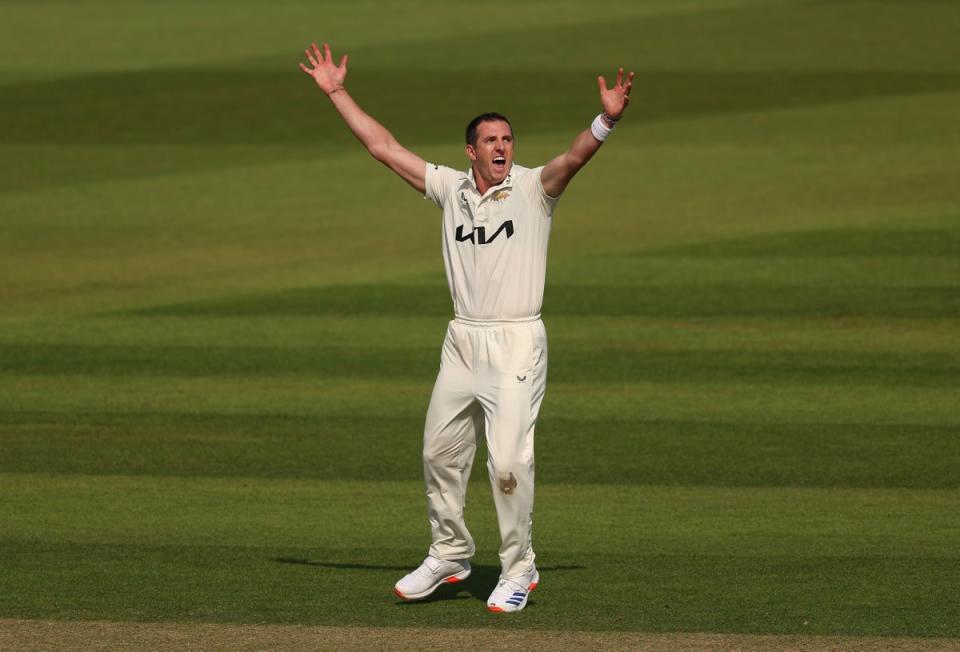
[(328, 76), (616, 99)]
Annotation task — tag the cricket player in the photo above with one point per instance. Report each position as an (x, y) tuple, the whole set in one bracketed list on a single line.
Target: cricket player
[(493, 371)]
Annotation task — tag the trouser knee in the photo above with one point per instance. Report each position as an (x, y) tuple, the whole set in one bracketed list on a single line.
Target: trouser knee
[(507, 477), (430, 457), (435, 457)]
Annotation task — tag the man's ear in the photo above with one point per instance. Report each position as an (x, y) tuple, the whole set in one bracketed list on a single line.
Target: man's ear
[(471, 153)]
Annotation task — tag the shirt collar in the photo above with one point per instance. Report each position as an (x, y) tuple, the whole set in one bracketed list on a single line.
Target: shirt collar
[(471, 182)]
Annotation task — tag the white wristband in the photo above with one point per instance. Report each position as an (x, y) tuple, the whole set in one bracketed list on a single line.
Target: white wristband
[(599, 128)]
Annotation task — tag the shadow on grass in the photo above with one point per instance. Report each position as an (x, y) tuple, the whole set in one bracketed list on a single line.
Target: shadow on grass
[(478, 586), (344, 566)]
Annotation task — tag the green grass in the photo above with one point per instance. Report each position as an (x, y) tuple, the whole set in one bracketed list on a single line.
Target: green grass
[(220, 321), (283, 551)]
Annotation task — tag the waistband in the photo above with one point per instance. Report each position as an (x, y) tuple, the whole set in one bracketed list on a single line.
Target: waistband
[(460, 319)]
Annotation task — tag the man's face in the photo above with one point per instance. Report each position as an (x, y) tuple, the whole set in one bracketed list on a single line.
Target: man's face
[(492, 156)]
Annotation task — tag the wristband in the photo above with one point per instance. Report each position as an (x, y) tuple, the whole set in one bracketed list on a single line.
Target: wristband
[(599, 128)]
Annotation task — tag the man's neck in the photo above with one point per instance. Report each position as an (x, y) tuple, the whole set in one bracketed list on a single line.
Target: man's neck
[(482, 184)]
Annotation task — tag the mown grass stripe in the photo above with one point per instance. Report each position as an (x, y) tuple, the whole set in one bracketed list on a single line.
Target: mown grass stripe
[(611, 450), (600, 363), (704, 299), (162, 105), (206, 549), (824, 244), (666, 592)]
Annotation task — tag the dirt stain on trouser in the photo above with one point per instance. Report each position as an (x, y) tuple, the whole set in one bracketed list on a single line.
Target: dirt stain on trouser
[(507, 483)]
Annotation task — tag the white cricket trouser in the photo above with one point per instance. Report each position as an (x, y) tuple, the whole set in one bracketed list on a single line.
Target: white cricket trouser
[(492, 378)]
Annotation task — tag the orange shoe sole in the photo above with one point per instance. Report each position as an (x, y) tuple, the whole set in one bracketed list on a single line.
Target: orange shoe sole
[(449, 580)]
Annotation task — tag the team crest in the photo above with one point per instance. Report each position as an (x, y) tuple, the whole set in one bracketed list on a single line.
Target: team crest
[(501, 195)]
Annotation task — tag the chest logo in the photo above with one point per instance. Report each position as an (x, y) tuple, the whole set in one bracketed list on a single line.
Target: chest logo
[(500, 195), (479, 234)]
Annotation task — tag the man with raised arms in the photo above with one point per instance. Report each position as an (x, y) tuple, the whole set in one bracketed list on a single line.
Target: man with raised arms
[(493, 371)]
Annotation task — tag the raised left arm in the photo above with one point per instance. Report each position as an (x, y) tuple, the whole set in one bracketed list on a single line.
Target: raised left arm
[(557, 173)]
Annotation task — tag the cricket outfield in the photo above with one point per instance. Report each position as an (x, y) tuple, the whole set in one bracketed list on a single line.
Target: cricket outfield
[(220, 322)]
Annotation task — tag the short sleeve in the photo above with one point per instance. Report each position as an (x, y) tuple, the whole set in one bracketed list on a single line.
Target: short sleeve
[(438, 182), (546, 201)]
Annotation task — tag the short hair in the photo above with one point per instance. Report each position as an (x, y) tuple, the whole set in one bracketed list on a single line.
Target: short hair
[(484, 117)]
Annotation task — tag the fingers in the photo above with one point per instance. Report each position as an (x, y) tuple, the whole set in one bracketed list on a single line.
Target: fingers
[(320, 59), (620, 85)]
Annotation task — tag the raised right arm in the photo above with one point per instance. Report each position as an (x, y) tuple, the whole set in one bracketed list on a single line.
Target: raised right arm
[(379, 142)]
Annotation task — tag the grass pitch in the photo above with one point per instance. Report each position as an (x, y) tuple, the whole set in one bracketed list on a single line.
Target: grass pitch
[(220, 321)]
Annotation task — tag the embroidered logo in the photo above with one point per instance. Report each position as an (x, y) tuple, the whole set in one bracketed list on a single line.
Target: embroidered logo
[(500, 195), (521, 378)]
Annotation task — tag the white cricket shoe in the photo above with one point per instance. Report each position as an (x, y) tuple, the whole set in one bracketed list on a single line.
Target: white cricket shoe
[(511, 595), (432, 573)]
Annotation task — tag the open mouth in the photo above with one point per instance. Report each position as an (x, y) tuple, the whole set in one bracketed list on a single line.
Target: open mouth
[(499, 162)]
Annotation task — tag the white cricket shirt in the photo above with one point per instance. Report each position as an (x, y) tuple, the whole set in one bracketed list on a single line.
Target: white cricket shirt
[(495, 244)]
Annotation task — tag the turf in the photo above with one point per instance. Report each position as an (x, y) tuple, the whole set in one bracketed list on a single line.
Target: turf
[(220, 321), (283, 551)]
